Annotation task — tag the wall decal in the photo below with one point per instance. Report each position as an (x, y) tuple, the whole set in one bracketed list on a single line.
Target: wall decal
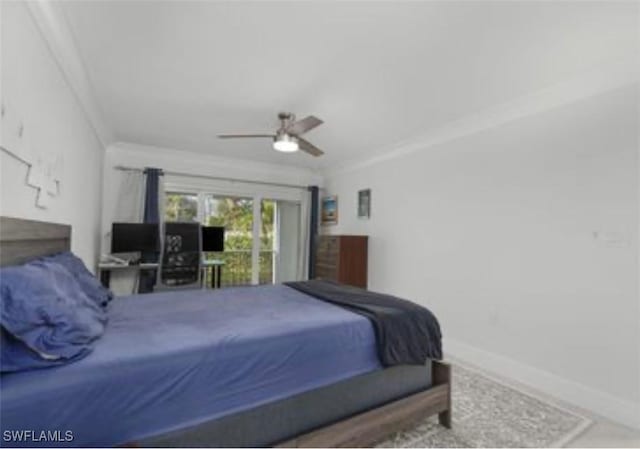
[(45, 171), (56, 169), (13, 139)]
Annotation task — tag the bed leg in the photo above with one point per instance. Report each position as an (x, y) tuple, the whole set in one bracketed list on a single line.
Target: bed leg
[(441, 375), (444, 419)]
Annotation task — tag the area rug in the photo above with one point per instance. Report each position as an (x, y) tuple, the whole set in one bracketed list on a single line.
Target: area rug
[(487, 413)]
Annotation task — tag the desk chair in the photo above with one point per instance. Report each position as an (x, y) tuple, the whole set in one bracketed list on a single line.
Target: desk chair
[(181, 257)]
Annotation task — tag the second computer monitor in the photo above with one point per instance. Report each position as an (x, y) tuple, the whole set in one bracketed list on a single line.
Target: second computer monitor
[(134, 237), (212, 238)]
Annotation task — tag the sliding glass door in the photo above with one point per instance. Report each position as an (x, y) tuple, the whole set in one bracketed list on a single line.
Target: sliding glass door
[(262, 236), (236, 215), (287, 242)]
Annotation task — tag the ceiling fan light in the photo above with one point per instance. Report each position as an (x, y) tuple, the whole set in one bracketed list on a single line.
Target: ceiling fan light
[(285, 144)]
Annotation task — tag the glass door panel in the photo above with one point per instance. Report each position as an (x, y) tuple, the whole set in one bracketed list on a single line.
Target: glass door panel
[(236, 215), (287, 242), (279, 241), (180, 206), (268, 242)]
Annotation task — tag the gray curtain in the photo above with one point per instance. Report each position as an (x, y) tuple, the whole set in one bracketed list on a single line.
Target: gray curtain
[(127, 208)]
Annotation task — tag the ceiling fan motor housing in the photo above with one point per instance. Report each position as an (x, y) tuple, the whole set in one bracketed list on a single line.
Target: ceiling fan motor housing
[(286, 118)]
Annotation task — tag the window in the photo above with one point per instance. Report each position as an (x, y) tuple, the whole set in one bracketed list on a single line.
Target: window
[(261, 243), (180, 207)]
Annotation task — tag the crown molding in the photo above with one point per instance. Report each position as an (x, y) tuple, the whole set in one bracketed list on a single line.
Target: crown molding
[(601, 79), (55, 31)]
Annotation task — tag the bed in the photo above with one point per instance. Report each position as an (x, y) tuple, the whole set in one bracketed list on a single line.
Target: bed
[(250, 366)]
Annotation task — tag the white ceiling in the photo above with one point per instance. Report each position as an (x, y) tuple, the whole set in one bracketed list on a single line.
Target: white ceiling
[(175, 74)]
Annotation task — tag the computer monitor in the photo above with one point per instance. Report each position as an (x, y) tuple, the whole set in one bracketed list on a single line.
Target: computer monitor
[(134, 237), (212, 238)]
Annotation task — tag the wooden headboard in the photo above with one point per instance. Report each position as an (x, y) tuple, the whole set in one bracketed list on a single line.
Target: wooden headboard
[(23, 240)]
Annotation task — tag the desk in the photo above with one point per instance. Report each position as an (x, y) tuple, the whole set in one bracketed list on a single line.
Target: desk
[(105, 269), (216, 266)]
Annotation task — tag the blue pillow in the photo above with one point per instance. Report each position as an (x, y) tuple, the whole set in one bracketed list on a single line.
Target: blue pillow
[(88, 282), (16, 356), (45, 308)]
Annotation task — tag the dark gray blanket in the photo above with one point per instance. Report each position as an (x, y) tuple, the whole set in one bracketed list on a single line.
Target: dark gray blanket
[(406, 333)]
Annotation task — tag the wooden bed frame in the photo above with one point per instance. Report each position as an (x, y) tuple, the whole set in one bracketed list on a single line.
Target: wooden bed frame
[(373, 426), (22, 240)]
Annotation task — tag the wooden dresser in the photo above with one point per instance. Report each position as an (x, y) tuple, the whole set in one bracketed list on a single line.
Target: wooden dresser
[(342, 258)]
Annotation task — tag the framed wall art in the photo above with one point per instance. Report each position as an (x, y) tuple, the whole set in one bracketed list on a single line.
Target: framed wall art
[(364, 203), (329, 214)]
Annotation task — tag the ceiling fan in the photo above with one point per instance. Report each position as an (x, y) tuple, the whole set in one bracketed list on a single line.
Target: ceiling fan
[(287, 138)]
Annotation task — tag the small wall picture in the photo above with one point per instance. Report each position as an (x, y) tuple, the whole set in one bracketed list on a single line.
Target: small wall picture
[(364, 203), (329, 210)]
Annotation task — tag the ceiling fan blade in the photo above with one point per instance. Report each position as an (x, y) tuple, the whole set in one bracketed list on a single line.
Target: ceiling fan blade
[(241, 136), (304, 125), (308, 147)]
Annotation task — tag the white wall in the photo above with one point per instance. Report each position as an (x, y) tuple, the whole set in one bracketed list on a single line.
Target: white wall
[(523, 239), (35, 90)]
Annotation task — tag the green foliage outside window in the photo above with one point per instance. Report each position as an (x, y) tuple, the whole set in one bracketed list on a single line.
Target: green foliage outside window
[(180, 207)]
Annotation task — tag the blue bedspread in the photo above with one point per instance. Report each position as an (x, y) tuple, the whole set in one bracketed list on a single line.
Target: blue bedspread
[(176, 359)]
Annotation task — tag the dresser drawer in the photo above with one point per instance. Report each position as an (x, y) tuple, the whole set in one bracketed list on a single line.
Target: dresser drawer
[(326, 271), (328, 245), (327, 258)]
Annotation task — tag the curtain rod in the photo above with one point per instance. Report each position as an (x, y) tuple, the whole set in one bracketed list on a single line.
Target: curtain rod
[(219, 178)]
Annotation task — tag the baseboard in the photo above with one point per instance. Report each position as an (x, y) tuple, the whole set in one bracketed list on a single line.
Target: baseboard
[(574, 393)]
